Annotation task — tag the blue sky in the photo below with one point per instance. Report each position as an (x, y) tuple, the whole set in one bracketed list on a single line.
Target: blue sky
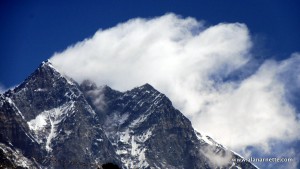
[(31, 31)]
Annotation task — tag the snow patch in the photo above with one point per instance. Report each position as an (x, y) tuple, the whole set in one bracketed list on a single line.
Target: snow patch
[(138, 152), (40, 90), (50, 119), (134, 146), (131, 149), (55, 116), (100, 140), (145, 136), (52, 134), (120, 152), (125, 136), (139, 120), (38, 123)]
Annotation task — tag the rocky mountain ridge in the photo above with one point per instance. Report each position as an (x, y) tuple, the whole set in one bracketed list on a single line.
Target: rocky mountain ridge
[(51, 121)]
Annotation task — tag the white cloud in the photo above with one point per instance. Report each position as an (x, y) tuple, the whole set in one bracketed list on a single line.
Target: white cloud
[(253, 113), (98, 102), (217, 160), (187, 61)]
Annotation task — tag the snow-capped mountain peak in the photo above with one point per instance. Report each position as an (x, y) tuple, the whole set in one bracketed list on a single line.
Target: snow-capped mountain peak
[(50, 121)]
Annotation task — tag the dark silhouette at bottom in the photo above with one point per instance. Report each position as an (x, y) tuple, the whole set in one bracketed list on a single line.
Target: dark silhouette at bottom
[(110, 166)]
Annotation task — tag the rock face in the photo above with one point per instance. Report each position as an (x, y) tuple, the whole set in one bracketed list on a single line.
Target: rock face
[(50, 121)]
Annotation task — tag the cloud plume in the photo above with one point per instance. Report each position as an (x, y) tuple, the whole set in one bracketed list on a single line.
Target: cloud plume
[(193, 65)]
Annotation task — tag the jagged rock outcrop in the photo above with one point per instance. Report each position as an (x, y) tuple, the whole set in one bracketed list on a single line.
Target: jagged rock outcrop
[(50, 121)]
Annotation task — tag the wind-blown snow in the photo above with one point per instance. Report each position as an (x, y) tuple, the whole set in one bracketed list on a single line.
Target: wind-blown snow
[(209, 73), (192, 64)]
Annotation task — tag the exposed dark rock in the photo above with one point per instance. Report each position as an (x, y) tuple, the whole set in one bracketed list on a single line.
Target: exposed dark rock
[(51, 121)]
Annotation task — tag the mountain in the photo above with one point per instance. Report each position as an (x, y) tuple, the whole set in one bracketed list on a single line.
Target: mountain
[(51, 121)]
